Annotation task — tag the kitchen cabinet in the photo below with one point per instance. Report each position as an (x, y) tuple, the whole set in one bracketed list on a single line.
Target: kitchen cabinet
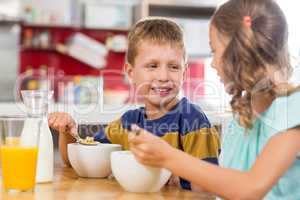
[(9, 49), (176, 8), (192, 15)]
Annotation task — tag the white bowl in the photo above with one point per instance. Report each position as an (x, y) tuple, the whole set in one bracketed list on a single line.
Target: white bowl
[(135, 177), (91, 161)]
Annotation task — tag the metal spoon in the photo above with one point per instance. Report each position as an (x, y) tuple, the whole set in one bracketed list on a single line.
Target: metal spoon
[(81, 141)]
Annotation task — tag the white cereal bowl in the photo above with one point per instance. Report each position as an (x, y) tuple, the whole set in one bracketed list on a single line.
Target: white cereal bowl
[(91, 161), (135, 177)]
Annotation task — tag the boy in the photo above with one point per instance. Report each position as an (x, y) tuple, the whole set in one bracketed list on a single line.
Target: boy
[(156, 65)]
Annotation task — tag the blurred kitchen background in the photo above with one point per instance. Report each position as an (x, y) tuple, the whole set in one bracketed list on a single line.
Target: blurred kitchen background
[(77, 49)]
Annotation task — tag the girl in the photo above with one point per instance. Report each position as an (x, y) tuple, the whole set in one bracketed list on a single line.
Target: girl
[(260, 153)]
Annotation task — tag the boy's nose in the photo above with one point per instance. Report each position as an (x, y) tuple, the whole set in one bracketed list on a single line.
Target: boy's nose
[(163, 74)]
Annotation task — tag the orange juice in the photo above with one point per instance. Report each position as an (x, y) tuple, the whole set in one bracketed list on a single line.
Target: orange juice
[(18, 167)]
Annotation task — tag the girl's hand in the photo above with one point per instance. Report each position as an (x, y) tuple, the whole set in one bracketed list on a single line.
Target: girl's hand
[(149, 149), (62, 122)]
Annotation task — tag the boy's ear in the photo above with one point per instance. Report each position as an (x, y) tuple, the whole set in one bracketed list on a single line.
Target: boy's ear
[(129, 71)]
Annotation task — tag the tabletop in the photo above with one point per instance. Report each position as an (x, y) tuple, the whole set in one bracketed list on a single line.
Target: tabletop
[(67, 185)]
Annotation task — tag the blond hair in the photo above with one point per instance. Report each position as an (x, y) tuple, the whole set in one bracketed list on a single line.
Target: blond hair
[(156, 29)]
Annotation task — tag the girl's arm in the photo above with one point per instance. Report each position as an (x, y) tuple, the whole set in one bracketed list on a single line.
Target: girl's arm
[(277, 156)]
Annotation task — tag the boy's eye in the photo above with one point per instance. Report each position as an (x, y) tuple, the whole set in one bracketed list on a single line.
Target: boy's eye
[(151, 66), (174, 67)]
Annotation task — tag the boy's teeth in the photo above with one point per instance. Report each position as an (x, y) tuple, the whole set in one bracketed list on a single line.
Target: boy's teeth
[(162, 89)]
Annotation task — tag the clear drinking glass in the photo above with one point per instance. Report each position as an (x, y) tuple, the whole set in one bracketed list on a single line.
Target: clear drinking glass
[(18, 155), (36, 102)]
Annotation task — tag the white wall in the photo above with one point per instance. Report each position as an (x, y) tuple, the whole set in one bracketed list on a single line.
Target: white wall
[(10, 8), (291, 10)]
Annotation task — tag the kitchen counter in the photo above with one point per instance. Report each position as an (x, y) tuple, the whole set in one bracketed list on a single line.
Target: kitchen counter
[(68, 186)]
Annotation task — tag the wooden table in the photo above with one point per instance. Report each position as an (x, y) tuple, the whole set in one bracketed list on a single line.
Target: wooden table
[(67, 185)]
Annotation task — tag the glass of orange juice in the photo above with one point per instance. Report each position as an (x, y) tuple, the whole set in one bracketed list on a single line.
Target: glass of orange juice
[(18, 155)]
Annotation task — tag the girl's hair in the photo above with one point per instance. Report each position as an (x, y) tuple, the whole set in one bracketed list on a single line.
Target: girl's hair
[(257, 32), (156, 29)]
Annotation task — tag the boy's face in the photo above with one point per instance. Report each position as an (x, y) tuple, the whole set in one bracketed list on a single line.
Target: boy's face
[(158, 72)]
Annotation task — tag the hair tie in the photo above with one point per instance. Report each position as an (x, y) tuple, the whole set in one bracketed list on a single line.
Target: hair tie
[(248, 21)]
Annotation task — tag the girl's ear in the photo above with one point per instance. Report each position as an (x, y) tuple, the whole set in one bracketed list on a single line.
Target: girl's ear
[(129, 71)]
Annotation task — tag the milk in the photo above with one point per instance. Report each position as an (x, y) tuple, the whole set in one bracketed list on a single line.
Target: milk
[(36, 127), (45, 162)]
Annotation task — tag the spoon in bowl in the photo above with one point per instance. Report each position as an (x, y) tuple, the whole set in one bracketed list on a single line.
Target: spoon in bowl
[(87, 141)]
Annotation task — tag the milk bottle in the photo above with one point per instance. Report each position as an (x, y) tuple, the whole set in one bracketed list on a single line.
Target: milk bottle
[(36, 103)]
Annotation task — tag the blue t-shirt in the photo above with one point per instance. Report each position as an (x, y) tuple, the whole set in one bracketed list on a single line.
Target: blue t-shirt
[(240, 149), (185, 127)]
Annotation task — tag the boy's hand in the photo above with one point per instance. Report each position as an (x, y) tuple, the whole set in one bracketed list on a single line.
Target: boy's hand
[(174, 181), (62, 122)]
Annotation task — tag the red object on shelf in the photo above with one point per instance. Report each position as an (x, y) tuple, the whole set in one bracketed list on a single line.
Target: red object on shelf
[(61, 65), (194, 84), (35, 57)]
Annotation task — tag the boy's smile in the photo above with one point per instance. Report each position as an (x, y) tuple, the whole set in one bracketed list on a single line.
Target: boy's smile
[(162, 91), (158, 72)]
